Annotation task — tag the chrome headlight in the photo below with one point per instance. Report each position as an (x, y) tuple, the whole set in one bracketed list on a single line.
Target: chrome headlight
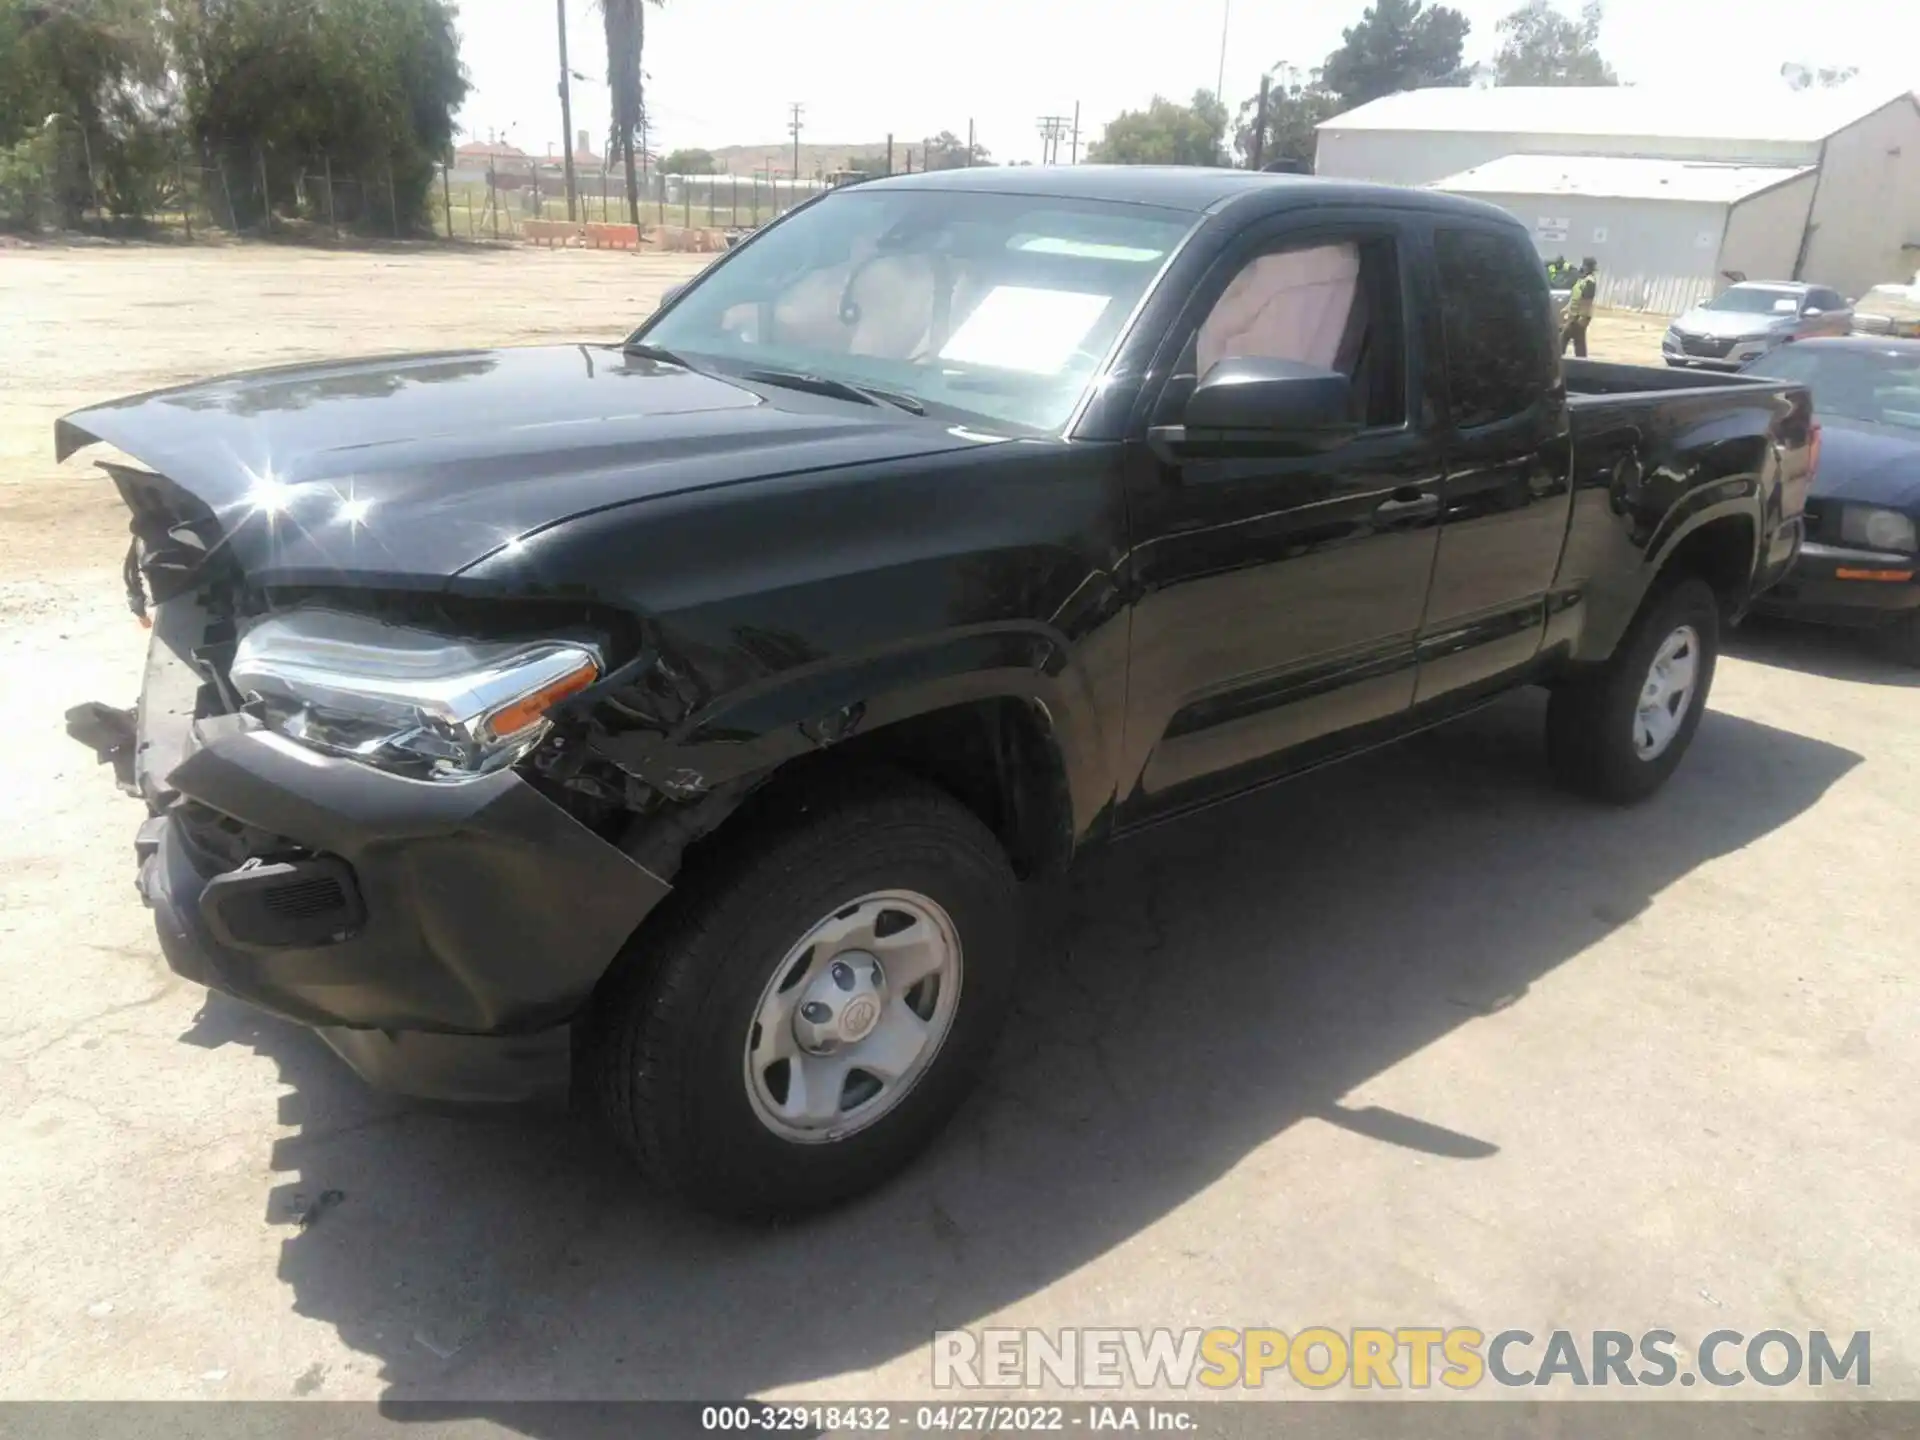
[(1876, 529), (407, 700)]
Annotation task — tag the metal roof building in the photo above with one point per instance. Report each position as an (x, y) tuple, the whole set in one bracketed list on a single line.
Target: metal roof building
[(1667, 191)]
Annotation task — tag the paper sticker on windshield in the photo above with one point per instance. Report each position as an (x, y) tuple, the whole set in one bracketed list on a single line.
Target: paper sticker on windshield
[(1784, 305), (1086, 249), (1019, 328)]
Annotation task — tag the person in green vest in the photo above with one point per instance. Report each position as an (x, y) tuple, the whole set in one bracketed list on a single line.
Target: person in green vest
[(1580, 309)]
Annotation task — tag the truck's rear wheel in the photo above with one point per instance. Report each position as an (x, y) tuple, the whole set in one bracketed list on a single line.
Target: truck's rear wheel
[(813, 1012), (1617, 732)]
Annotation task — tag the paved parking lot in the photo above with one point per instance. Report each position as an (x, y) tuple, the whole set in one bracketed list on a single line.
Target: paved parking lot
[(1415, 1041)]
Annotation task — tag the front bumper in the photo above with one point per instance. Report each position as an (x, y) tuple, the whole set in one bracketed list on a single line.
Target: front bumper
[(1838, 585), (1737, 354), (482, 914)]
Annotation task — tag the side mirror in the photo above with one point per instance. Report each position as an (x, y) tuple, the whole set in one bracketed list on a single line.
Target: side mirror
[(1254, 406), (1813, 310), (671, 294)]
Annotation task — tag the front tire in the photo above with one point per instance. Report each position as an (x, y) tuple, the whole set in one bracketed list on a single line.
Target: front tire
[(1905, 639), (817, 1004), (1617, 732)]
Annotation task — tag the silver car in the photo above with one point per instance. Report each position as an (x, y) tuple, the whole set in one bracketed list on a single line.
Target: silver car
[(1747, 320)]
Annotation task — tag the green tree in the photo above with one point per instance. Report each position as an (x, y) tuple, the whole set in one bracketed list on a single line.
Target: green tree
[(1397, 45), (1296, 104), (689, 162), (947, 151), (1824, 77), (259, 89), (626, 26), (83, 100), (1166, 133), (370, 85), (1540, 45)]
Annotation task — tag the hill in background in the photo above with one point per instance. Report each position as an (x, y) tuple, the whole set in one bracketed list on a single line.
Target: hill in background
[(821, 159)]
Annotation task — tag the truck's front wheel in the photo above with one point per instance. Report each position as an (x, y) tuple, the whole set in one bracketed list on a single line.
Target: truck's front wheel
[(1617, 732), (814, 1010)]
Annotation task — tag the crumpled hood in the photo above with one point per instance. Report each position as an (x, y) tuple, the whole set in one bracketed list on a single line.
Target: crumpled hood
[(1730, 324), (410, 469), (1869, 464)]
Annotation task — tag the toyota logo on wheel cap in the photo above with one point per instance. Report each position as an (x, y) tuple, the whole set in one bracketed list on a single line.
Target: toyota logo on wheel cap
[(859, 1016)]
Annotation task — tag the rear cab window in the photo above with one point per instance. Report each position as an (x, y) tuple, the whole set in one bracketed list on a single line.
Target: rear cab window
[(1496, 325)]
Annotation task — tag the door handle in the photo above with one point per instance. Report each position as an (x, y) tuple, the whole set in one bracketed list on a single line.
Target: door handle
[(1407, 505)]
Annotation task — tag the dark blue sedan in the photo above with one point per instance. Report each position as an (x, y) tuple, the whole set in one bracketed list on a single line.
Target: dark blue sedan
[(1860, 559)]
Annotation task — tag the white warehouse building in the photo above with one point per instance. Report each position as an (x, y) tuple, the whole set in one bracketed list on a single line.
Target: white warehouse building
[(1671, 194)]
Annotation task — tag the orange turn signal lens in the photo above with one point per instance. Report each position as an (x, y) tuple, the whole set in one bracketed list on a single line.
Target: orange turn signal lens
[(1893, 575), (528, 709)]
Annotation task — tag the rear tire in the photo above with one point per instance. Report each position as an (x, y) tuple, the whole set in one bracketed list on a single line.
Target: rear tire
[(674, 1048), (1616, 732)]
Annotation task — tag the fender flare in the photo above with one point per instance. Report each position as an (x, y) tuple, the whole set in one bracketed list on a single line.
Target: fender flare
[(1617, 597), (739, 738)]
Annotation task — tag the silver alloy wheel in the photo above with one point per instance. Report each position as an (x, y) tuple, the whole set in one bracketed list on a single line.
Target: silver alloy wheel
[(1667, 693), (852, 1016)]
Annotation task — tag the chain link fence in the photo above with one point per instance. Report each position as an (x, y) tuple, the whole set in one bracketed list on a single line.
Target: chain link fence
[(50, 185), (494, 204)]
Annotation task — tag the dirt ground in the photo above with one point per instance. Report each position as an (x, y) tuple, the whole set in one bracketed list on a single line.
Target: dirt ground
[(1415, 1041)]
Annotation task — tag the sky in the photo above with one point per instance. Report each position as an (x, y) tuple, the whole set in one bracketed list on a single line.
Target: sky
[(724, 72)]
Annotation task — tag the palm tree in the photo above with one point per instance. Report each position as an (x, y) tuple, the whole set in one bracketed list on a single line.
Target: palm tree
[(626, 38)]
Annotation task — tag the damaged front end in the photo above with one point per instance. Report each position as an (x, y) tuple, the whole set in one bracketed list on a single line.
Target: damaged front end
[(377, 812)]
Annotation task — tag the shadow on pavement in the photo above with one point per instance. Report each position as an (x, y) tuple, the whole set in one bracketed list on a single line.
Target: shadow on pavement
[(1828, 651), (1193, 993)]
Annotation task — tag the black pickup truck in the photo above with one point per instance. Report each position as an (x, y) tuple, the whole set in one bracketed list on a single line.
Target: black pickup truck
[(676, 720)]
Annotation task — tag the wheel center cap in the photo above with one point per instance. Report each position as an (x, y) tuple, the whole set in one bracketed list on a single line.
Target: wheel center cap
[(858, 1018), (842, 1004)]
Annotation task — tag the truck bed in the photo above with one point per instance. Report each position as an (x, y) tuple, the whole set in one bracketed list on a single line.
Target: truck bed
[(1642, 436), (1590, 379)]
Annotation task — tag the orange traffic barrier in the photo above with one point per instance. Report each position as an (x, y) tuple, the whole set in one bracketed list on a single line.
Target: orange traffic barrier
[(551, 232), (612, 237)]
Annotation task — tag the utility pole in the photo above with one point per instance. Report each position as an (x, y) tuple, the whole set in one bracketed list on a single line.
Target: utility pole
[(1076, 132), (566, 111), (1052, 129), (794, 125), (969, 144), (1220, 85), (1256, 152)]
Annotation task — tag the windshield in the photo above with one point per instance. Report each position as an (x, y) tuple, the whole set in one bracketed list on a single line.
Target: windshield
[(1753, 300), (995, 306), (1879, 387)]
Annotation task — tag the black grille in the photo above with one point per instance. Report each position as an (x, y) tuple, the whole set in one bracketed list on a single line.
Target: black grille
[(1707, 346), (284, 904), (305, 897)]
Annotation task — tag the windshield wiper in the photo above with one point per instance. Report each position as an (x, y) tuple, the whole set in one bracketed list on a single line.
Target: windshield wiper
[(838, 389), (647, 350)]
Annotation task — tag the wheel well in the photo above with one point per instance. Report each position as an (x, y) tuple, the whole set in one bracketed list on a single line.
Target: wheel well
[(1720, 553), (996, 757)]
